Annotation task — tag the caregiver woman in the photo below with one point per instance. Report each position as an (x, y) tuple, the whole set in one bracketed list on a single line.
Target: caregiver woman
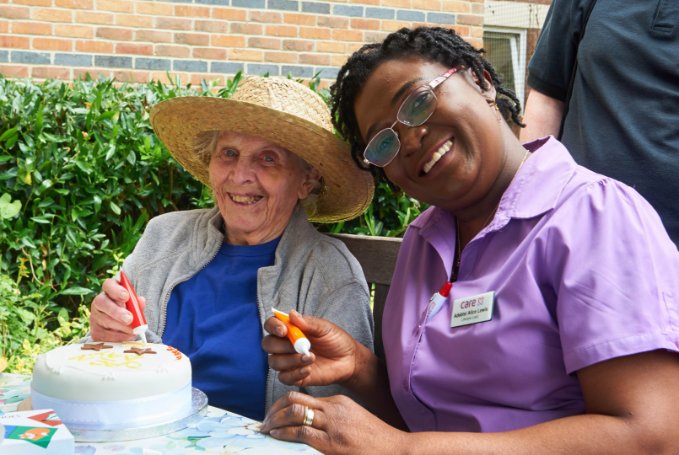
[(561, 330)]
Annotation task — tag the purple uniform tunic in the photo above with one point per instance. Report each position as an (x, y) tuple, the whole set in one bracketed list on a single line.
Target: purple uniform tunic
[(583, 271)]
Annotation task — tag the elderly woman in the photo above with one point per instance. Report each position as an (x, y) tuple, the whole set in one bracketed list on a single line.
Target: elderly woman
[(561, 331), (210, 277)]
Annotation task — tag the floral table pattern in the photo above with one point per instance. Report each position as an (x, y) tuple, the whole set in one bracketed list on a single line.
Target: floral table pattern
[(218, 432)]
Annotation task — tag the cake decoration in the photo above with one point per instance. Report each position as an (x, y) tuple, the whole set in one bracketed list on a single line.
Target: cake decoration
[(95, 346), (139, 351), (177, 354)]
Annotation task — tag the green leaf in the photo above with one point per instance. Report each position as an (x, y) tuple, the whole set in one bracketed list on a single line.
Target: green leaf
[(114, 208), (76, 290), (110, 152), (42, 219), (26, 316), (10, 133), (8, 209)]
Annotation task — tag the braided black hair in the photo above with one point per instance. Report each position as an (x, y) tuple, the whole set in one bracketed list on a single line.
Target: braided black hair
[(430, 43)]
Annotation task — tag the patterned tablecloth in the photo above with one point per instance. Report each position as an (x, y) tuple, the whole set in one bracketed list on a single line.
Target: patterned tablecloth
[(218, 432)]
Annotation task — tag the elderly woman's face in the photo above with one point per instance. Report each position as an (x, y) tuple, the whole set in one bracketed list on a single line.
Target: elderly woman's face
[(453, 158), (256, 185)]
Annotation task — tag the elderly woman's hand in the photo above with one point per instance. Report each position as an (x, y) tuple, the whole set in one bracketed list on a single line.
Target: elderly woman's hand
[(109, 320), (333, 352), (332, 425)]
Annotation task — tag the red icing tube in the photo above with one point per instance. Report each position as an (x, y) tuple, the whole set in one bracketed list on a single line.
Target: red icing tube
[(139, 324)]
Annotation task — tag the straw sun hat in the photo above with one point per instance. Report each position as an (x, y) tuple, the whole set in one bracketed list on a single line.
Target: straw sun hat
[(281, 111)]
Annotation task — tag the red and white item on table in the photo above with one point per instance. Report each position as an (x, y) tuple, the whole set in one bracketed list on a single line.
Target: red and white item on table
[(139, 324)]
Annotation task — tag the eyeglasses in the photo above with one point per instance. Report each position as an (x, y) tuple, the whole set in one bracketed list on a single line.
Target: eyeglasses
[(414, 111)]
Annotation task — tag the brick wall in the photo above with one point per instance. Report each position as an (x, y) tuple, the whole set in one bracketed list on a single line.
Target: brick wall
[(138, 40)]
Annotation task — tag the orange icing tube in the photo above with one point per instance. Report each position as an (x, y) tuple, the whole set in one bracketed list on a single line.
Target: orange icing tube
[(139, 325), (299, 341)]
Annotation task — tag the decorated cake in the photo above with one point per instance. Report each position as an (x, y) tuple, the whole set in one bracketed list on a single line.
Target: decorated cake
[(113, 385)]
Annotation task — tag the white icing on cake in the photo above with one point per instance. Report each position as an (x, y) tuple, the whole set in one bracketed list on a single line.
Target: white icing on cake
[(110, 388)]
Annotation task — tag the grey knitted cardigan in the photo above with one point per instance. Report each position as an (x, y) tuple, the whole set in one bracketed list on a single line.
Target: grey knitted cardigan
[(312, 273)]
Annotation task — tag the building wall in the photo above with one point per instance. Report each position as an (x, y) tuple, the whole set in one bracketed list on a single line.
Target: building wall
[(140, 40)]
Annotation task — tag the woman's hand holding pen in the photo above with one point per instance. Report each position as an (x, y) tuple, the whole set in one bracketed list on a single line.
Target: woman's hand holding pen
[(109, 320), (332, 358), (335, 358)]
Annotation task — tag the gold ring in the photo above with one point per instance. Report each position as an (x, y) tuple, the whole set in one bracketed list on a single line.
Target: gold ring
[(308, 416)]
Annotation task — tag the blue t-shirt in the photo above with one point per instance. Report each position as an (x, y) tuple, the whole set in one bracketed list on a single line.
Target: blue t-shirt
[(214, 319)]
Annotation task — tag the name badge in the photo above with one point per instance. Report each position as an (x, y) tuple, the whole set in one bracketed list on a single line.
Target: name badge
[(472, 309)]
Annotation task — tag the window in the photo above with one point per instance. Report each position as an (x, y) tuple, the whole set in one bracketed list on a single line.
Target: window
[(506, 51)]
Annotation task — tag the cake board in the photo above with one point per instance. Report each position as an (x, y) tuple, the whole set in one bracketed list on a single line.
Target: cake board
[(199, 404)]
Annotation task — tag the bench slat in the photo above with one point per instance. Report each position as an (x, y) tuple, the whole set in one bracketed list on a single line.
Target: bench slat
[(377, 256)]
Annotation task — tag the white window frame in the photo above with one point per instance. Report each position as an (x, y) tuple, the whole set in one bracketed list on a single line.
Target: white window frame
[(517, 43)]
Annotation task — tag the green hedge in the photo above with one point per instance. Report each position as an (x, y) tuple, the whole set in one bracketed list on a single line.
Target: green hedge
[(81, 173)]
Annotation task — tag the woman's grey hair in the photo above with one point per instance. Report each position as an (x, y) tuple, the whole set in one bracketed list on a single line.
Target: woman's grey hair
[(204, 146)]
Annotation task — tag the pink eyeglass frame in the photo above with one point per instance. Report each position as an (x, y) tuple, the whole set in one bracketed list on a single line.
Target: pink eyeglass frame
[(432, 85)]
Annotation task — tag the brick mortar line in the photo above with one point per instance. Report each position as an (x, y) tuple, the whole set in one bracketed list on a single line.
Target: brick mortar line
[(341, 6), (240, 63)]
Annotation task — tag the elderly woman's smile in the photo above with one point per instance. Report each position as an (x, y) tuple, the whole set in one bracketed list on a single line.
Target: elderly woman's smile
[(244, 199), (257, 185)]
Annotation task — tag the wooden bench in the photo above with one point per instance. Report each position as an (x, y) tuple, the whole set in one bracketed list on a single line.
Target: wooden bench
[(377, 256)]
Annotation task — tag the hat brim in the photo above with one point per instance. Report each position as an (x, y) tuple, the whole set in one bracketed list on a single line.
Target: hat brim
[(347, 189)]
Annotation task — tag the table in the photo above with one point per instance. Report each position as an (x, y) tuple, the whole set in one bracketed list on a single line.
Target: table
[(219, 431)]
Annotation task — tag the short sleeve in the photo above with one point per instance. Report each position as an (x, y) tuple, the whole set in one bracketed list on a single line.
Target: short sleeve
[(552, 63), (616, 276)]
